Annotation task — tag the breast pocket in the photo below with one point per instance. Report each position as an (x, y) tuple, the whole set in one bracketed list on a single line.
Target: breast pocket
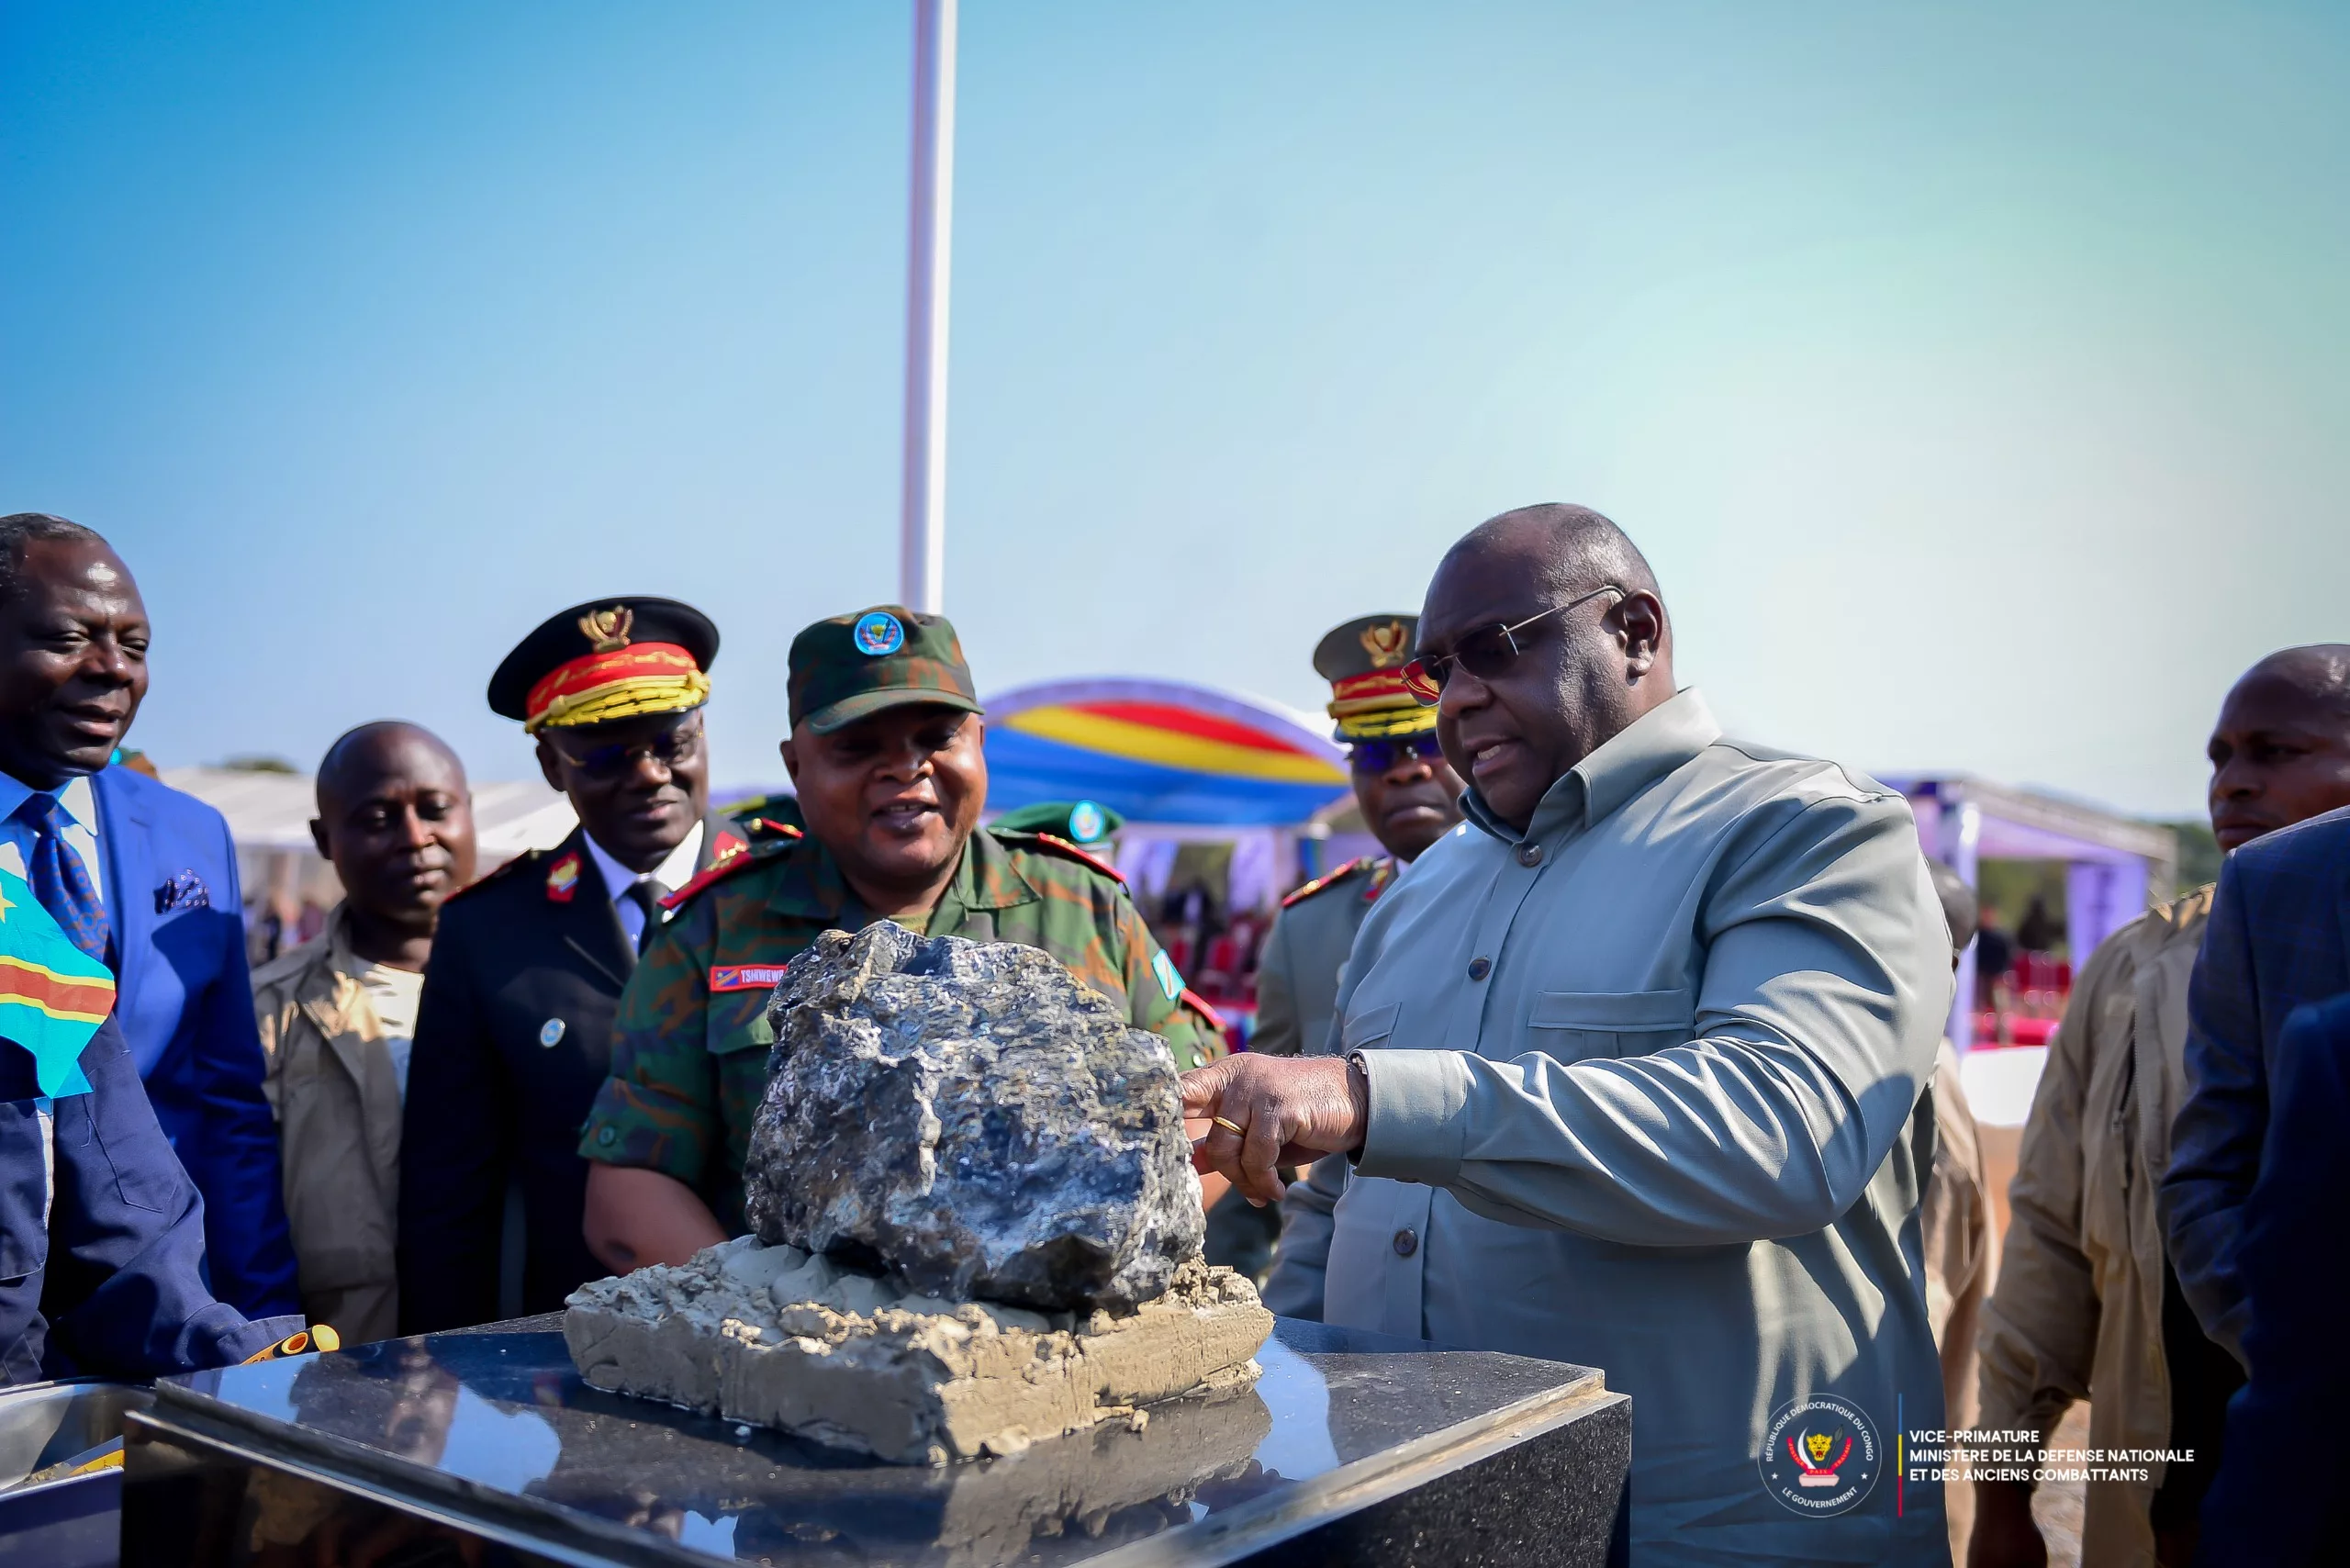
[(1576, 1026), (1371, 1026)]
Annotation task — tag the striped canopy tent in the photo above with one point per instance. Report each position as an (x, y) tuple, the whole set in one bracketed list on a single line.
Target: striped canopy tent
[(1162, 751)]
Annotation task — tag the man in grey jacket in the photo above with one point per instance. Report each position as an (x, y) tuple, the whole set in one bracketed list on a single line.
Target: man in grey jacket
[(1628, 1069)]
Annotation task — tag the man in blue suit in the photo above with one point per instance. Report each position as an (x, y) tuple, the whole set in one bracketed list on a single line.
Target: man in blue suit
[(140, 876), (2278, 939), (101, 1235), (2270, 1506)]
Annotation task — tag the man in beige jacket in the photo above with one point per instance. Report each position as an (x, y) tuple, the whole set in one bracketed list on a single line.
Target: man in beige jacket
[(2085, 1307), (338, 1013)]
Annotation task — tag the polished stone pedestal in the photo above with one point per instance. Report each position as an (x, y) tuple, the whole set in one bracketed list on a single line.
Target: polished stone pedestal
[(486, 1449)]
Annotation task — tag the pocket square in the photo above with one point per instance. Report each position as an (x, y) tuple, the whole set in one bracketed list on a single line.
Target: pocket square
[(185, 891)]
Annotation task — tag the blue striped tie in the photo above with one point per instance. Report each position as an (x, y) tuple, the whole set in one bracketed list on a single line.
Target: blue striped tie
[(59, 879)]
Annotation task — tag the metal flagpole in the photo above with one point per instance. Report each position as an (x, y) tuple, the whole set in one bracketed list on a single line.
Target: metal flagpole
[(921, 525)]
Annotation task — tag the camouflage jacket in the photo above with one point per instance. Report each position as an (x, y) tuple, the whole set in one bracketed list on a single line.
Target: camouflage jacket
[(690, 1049)]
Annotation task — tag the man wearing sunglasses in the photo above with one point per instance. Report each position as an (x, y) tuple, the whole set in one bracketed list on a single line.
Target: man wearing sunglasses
[(513, 1032), (1629, 1069)]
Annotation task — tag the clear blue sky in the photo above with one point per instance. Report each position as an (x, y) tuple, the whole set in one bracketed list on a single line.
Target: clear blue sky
[(1976, 376)]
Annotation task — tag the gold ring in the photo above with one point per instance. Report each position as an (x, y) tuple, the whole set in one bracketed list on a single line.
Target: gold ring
[(1228, 1124)]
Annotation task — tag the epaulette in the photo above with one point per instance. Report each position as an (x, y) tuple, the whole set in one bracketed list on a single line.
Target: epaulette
[(726, 865), (505, 868), (1208, 1015), (1360, 863), (1068, 851)]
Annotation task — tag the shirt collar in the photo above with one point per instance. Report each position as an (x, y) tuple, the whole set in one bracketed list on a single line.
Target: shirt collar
[(1627, 763), (985, 877), (80, 801), (674, 872)]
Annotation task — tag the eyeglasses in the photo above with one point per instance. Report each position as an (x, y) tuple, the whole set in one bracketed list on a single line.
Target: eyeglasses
[(1483, 654), (1377, 755), (668, 748)]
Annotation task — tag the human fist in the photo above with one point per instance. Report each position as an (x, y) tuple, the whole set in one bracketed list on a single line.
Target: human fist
[(1262, 1112)]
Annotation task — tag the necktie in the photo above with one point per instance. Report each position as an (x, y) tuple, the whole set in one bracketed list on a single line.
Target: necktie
[(58, 877), (646, 893)]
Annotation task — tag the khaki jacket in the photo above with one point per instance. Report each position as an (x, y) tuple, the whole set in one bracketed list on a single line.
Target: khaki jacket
[(1954, 1215), (338, 1106), (2077, 1312)]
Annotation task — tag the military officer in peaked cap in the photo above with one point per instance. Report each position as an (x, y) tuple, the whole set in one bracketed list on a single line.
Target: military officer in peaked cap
[(513, 1034), (1409, 797), (886, 754)]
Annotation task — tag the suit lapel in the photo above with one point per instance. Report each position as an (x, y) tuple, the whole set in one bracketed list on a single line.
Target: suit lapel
[(127, 858), (585, 920)]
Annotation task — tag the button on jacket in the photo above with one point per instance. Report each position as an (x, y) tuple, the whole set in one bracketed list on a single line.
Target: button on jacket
[(1642, 1105)]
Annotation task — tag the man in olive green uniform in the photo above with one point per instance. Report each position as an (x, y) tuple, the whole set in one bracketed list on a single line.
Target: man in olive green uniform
[(886, 755), (1410, 798)]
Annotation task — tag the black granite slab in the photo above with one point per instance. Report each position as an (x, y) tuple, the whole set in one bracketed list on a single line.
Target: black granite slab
[(1352, 1448)]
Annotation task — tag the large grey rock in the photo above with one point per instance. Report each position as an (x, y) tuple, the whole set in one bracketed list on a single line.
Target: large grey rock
[(967, 1115)]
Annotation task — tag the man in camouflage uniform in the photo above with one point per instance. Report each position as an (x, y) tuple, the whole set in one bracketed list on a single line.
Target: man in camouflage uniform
[(1410, 798), (886, 754)]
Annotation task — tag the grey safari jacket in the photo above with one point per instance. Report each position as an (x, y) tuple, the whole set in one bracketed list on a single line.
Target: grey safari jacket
[(1641, 1081)]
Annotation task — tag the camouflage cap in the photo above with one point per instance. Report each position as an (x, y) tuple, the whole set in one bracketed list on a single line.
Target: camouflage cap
[(851, 666)]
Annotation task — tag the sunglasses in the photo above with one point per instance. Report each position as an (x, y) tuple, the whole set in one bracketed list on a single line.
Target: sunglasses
[(1485, 654), (1374, 757), (668, 748)]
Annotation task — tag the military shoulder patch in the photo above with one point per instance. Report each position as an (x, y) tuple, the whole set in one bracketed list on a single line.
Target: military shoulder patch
[(724, 867), (1171, 979), (1328, 880), (563, 879), (1068, 851)]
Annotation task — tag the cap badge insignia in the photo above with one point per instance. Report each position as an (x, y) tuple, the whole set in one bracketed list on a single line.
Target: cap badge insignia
[(562, 876), (1086, 822), (878, 634), (551, 1033), (607, 629), (1384, 644)]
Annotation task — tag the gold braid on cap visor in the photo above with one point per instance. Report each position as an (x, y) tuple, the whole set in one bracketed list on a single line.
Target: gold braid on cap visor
[(647, 678)]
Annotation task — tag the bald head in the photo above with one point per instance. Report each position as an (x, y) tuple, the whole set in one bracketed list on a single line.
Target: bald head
[(396, 818), (2280, 751), (1570, 548)]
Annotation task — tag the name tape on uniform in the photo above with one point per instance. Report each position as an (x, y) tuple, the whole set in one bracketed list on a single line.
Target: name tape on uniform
[(745, 976)]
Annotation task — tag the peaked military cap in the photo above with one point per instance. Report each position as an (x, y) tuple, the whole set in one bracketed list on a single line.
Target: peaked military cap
[(851, 667), (607, 659), (1363, 661)]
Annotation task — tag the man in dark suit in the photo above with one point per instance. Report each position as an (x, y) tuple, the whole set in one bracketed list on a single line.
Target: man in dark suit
[(2278, 940), (513, 1037), (140, 876), (101, 1233), (2268, 1507)]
